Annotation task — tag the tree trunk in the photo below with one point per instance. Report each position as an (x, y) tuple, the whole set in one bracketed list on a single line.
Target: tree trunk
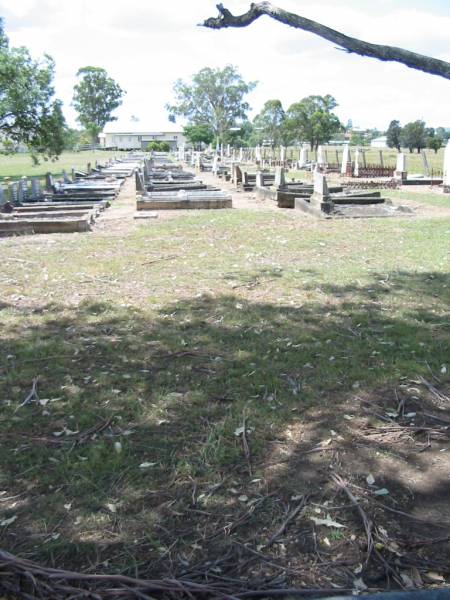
[(351, 45)]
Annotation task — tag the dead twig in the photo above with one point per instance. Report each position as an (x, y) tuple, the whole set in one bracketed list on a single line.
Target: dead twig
[(300, 508), (32, 396)]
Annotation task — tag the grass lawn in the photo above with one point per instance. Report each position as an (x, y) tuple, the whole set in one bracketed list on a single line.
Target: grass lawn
[(18, 165), (156, 347)]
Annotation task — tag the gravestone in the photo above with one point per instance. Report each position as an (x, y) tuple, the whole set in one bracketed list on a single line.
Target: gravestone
[(280, 180), (345, 157), (258, 154), (140, 187), (426, 166), (35, 189), (2, 196), (236, 174), (215, 164), (259, 179), (282, 154), (400, 169), (321, 199), (447, 168), (303, 159), (320, 157), (49, 183), (241, 154), (356, 168), (14, 193)]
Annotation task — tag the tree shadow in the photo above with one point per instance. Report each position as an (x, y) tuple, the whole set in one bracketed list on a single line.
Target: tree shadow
[(134, 459)]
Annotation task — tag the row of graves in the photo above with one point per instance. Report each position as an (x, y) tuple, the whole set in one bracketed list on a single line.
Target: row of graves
[(347, 162), (321, 200), (72, 204), (163, 184)]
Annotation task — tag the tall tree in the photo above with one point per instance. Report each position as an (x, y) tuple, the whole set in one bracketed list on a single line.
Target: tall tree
[(95, 98), (312, 120), (270, 123), (214, 97), (198, 134), (351, 45), (393, 135), (414, 135), (29, 113)]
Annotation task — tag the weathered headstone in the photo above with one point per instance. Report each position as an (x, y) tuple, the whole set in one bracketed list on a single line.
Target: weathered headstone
[(140, 187), (215, 164), (35, 189), (280, 180), (400, 169), (321, 198), (259, 179), (2, 196), (345, 157), (258, 154), (447, 168), (14, 191), (241, 154), (426, 166), (282, 154), (49, 183), (303, 159)]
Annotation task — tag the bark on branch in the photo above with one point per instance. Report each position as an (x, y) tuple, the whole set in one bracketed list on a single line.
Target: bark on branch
[(413, 60)]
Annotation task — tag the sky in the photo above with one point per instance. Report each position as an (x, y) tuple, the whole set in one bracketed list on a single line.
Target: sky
[(146, 45)]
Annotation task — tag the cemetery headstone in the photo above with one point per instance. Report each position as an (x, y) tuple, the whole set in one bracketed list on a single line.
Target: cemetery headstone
[(14, 191), (259, 179), (345, 157), (356, 168), (321, 198), (35, 189), (400, 169), (280, 180), (447, 168), (426, 166), (320, 156)]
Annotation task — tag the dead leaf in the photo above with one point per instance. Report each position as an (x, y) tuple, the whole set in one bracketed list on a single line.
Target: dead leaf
[(328, 522)]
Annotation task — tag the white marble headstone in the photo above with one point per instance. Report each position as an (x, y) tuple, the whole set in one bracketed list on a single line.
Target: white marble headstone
[(320, 157), (282, 153), (320, 185), (401, 163), (356, 169), (447, 164), (345, 157)]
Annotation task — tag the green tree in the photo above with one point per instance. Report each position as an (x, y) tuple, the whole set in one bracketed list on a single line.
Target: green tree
[(270, 123), (95, 98), (443, 133), (414, 135), (358, 138), (393, 135), (435, 143), (29, 113), (214, 97), (312, 120), (198, 134)]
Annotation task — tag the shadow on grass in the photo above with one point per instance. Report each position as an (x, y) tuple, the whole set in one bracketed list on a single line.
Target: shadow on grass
[(134, 459)]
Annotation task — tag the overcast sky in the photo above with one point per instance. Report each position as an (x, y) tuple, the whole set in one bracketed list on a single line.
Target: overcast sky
[(147, 44)]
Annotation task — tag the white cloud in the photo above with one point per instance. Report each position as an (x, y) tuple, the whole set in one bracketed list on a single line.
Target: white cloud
[(146, 46)]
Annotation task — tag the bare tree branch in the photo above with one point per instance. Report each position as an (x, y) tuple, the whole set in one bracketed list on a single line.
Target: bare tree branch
[(413, 60)]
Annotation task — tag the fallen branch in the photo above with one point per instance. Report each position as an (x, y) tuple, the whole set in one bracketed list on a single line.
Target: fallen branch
[(351, 45), (291, 516)]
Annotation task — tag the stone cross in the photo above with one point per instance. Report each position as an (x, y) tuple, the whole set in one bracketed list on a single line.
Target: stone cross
[(280, 180), (345, 157), (321, 198), (447, 168)]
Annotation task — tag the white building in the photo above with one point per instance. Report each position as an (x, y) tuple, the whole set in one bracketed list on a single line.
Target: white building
[(380, 142), (127, 140)]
